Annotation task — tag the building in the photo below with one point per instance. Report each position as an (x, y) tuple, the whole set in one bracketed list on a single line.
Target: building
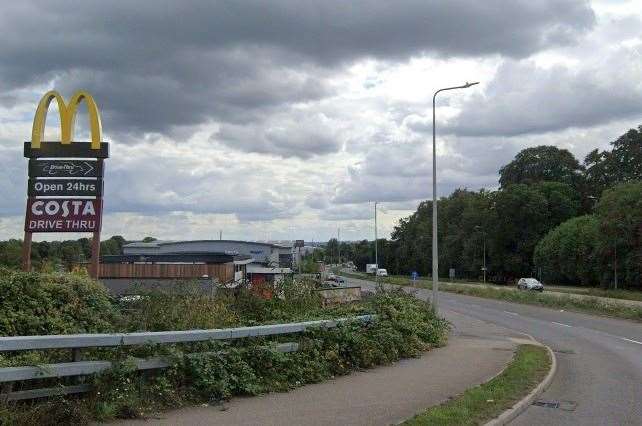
[(227, 262), (267, 254)]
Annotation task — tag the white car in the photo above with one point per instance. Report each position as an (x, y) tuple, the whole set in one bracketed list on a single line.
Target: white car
[(382, 272), (529, 284)]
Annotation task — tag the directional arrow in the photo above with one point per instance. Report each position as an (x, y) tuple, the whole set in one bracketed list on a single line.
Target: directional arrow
[(64, 168)]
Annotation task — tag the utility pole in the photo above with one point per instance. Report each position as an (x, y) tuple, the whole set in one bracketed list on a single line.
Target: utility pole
[(220, 234), (376, 243), (339, 245)]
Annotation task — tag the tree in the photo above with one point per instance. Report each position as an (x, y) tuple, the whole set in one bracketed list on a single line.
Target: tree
[(619, 212), (332, 251), (520, 216), (112, 246), (11, 253), (413, 236), (623, 163), (542, 163), (568, 254)]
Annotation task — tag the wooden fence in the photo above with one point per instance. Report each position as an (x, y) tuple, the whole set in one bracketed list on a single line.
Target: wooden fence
[(223, 272), (78, 367)]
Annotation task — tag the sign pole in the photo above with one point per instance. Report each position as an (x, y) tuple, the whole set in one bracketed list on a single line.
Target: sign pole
[(95, 255), (26, 252), (95, 242)]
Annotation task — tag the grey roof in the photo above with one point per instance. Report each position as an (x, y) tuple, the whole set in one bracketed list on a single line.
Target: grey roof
[(140, 244)]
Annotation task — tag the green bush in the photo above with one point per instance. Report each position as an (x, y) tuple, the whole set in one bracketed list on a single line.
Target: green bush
[(183, 306), (568, 254), (34, 303)]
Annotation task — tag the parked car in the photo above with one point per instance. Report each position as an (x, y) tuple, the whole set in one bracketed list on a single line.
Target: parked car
[(529, 284), (382, 272)]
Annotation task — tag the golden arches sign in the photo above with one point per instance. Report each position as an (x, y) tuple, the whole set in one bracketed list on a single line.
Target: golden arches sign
[(67, 118)]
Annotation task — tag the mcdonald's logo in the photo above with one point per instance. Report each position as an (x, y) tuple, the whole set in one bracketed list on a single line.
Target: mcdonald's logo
[(67, 118)]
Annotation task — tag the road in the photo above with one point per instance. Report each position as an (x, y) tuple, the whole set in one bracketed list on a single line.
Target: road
[(599, 376)]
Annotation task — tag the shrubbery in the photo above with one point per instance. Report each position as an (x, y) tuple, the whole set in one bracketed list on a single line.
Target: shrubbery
[(34, 303), (203, 371)]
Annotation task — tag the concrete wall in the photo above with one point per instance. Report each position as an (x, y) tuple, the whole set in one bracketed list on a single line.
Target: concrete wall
[(339, 295)]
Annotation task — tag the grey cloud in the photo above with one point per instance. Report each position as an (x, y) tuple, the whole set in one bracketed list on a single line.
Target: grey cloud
[(157, 65), (403, 172), (348, 212), (524, 98), (299, 134), (147, 183), (13, 175)]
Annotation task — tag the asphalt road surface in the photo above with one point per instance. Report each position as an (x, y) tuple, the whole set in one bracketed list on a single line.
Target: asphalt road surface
[(599, 376)]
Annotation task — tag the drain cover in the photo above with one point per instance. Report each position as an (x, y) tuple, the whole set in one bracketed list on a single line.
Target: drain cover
[(564, 351), (562, 405), (547, 404)]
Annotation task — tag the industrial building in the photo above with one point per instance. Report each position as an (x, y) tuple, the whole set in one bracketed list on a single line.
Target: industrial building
[(267, 254), (228, 262)]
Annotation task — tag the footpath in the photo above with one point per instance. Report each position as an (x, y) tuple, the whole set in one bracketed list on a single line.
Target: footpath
[(476, 352)]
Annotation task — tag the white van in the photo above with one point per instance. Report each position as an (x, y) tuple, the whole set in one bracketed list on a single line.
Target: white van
[(382, 272)]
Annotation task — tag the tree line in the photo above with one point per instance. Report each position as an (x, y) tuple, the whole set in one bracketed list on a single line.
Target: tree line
[(57, 255), (552, 217)]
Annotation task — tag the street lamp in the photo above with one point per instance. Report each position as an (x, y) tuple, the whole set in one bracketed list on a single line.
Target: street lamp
[(435, 265)]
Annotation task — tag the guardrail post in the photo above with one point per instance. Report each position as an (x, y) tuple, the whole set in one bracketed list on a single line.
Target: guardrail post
[(5, 390), (76, 355)]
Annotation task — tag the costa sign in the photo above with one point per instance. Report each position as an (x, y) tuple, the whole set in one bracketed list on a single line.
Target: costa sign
[(63, 215), (63, 172)]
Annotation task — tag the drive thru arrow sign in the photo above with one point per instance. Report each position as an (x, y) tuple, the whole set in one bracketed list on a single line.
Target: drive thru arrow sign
[(64, 168)]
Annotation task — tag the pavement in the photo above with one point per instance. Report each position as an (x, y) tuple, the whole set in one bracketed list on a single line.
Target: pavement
[(599, 360), (476, 352)]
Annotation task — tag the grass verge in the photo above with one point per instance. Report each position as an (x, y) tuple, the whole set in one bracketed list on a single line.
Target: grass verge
[(590, 304), (609, 293), (482, 403)]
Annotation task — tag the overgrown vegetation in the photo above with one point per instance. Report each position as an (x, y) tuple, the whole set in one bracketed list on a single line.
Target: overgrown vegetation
[(204, 371), (480, 404), (34, 303)]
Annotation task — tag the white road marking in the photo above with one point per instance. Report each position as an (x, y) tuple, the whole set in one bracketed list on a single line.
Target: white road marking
[(559, 323), (511, 313), (630, 340)]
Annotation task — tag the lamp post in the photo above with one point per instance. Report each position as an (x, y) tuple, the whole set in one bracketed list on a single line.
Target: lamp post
[(435, 257), (376, 243)]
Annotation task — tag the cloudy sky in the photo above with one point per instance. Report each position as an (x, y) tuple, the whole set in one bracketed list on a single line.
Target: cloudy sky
[(287, 119)]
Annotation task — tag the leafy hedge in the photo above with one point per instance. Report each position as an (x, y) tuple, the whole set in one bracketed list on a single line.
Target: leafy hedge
[(35, 303)]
